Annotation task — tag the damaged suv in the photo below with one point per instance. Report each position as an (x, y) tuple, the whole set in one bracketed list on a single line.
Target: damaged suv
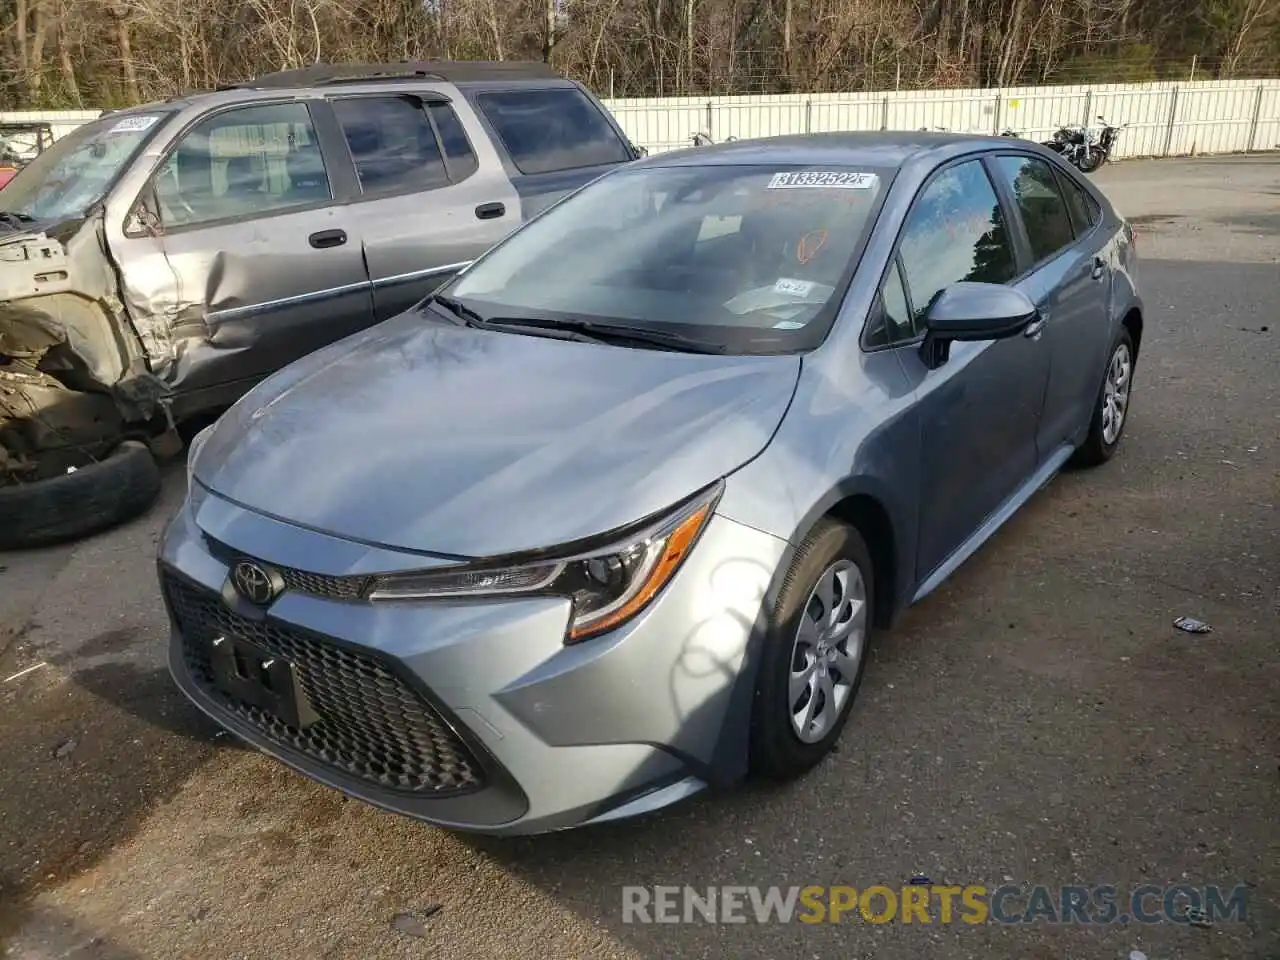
[(159, 261)]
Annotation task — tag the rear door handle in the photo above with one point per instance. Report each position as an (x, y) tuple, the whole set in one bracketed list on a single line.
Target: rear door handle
[(327, 238), (490, 211), (1099, 268)]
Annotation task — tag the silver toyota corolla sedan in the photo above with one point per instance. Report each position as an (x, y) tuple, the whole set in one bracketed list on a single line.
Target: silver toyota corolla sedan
[(613, 516)]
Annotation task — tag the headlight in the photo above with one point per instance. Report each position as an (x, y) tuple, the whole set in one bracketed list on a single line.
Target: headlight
[(608, 586)]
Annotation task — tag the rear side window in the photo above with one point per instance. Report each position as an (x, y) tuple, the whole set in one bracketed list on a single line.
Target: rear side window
[(1084, 209), (1044, 212), (457, 148), (546, 130), (392, 144)]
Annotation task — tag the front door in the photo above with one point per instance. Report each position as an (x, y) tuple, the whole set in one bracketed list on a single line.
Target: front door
[(268, 265), (433, 193), (979, 411)]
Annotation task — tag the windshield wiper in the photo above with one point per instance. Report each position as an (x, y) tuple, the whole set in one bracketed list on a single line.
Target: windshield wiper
[(609, 333), (461, 311), (16, 216)]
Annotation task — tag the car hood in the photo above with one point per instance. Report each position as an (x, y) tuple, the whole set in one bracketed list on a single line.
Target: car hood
[(471, 443)]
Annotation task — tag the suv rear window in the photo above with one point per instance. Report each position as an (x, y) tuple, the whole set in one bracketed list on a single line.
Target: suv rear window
[(546, 130)]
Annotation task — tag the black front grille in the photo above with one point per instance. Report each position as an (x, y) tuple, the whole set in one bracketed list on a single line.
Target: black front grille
[(372, 725), (300, 581)]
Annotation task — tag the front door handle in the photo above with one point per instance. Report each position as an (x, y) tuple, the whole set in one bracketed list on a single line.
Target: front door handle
[(1034, 328), (327, 238), (490, 211), (1099, 268)]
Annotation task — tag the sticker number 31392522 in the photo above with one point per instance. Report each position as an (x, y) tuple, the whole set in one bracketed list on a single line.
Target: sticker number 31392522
[(837, 179)]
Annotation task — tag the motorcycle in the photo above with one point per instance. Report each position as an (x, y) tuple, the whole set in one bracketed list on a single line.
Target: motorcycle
[(704, 139), (1086, 149)]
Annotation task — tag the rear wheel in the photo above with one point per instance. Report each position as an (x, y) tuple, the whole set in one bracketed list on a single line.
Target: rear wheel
[(1111, 411), (814, 659)]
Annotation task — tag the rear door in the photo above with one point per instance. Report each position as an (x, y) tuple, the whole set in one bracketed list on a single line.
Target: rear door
[(553, 138), (266, 260), (433, 195), (1069, 280)]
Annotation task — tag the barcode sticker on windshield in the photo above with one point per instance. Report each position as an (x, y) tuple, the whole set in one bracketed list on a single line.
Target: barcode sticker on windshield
[(830, 179), (134, 124)]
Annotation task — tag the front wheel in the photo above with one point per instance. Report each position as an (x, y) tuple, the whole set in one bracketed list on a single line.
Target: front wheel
[(1091, 160), (1111, 410), (815, 655)]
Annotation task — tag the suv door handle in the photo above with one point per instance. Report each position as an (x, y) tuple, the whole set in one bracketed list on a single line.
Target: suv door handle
[(327, 238), (1099, 268), (490, 211)]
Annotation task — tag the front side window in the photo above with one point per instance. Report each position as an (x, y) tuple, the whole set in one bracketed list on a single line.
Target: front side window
[(955, 231), (76, 171), (1043, 211), (736, 255), (892, 323), (546, 130), (392, 143), (240, 163)]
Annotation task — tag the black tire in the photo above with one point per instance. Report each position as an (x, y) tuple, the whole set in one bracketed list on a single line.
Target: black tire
[(1097, 449), (1091, 161), (777, 751), (93, 498)]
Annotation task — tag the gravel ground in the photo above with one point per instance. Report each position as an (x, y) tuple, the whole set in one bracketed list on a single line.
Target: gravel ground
[(1036, 720)]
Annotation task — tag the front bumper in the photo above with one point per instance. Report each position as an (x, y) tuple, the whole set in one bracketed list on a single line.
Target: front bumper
[(474, 715)]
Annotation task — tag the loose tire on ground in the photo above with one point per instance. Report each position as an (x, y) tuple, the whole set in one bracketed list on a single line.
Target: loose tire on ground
[(93, 498), (778, 751)]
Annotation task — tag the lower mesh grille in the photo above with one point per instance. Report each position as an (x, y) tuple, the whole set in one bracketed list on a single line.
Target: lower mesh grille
[(371, 724)]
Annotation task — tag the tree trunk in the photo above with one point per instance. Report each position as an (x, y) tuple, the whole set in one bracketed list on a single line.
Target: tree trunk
[(788, 65), (35, 55), (66, 66), (549, 33)]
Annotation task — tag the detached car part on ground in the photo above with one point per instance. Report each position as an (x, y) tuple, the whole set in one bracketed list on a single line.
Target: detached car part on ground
[(158, 262), (617, 510)]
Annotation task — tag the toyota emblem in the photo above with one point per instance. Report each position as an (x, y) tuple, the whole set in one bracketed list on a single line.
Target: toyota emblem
[(253, 583)]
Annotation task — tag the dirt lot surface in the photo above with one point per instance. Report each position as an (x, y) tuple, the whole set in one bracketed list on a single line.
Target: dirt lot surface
[(1037, 720)]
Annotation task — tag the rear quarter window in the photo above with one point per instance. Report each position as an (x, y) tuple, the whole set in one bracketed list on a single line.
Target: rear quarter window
[(548, 130)]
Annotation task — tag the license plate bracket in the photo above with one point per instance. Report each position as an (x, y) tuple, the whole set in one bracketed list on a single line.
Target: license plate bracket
[(247, 672)]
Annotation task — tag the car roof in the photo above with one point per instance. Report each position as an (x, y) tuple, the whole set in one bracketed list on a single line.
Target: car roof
[(890, 149), (339, 76)]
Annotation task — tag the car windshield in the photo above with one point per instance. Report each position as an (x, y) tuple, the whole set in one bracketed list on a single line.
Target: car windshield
[(76, 171), (750, 258)]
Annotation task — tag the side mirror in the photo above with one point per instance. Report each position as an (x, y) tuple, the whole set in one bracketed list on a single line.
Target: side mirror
[(968, 311)]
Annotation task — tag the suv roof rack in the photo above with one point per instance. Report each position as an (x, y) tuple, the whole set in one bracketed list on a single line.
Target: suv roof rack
[(450, 71)]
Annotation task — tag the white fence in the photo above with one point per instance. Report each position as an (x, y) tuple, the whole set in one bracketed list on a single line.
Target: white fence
[(1163, 119)]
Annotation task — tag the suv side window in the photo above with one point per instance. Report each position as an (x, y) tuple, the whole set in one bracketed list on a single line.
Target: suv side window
[(554, 129), (392, 143), (242, 162), (457, 148), (1043, 211), (955, 231), (1084, 209)]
